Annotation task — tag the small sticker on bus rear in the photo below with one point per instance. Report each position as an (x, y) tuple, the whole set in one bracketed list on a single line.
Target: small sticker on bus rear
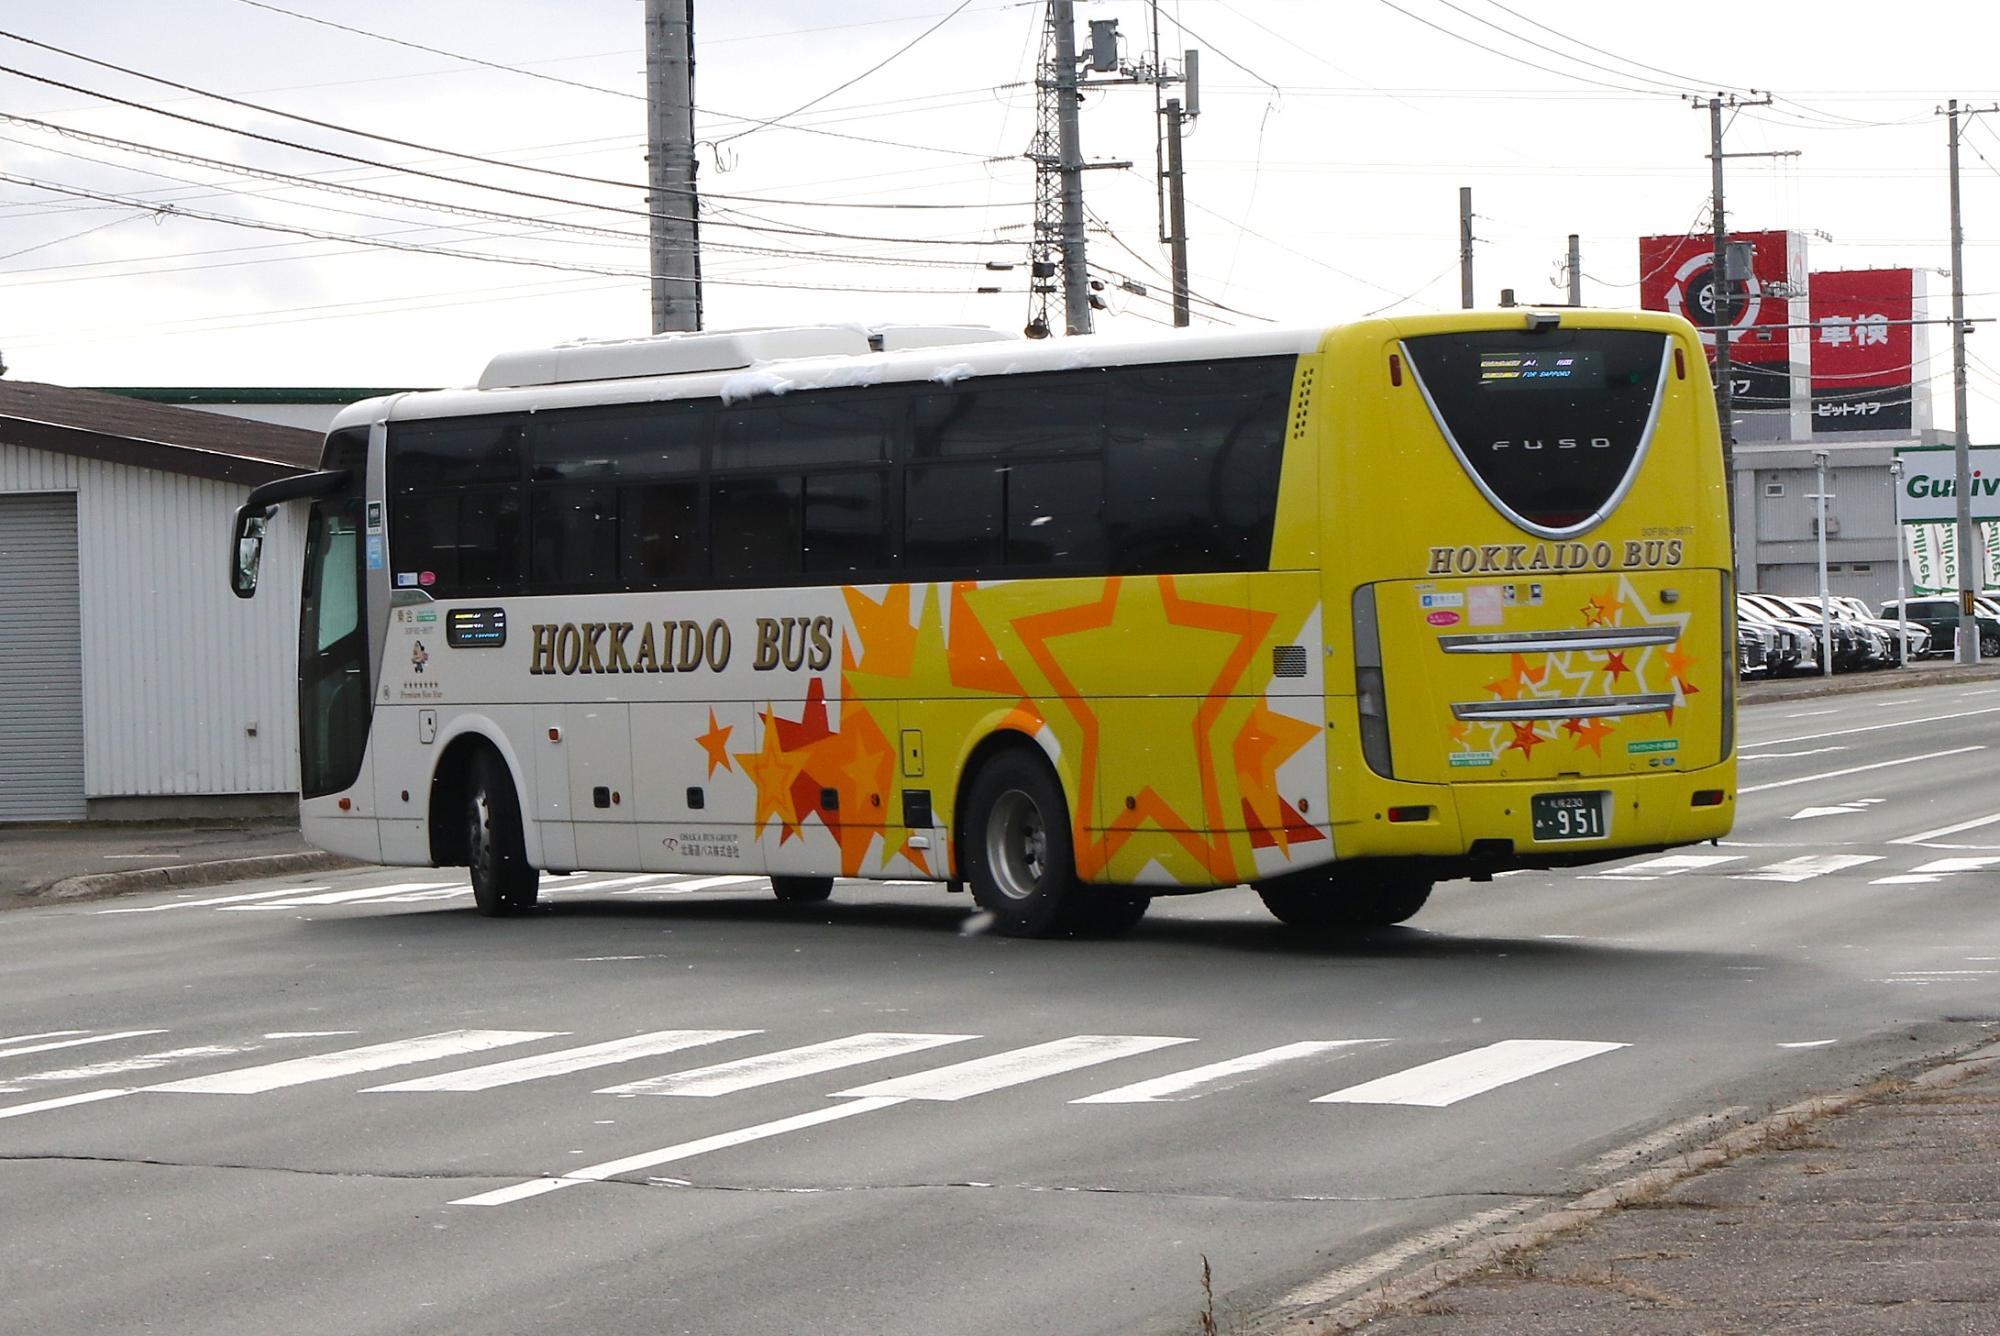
[(1447, 599), (1652, 745), (1442, 617), (1475, 758)]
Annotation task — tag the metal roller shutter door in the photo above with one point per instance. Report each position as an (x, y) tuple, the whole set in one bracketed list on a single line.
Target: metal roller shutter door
[(41, 670)]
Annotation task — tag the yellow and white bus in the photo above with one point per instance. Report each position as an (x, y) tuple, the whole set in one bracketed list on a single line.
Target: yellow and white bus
[(1338, 613)]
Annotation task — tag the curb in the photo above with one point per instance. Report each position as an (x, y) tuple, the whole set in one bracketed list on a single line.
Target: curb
[(1387, 1299), (101, 885), (1769, 691)]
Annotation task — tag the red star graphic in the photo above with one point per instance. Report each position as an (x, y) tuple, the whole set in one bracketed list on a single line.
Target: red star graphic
[(1614, 664), (1526, 739)]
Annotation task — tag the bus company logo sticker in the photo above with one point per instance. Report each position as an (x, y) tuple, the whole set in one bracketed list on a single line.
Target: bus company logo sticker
[(1556, 558), (1442, 617), (1446, 599), (704, 844), (1461, 760)]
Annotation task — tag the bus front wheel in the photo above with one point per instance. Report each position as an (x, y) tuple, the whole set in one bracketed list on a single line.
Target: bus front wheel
[(1018, 855), (503, 881), (802, 890)]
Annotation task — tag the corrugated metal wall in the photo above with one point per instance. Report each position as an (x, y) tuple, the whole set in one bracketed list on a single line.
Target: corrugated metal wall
[(176, 669)]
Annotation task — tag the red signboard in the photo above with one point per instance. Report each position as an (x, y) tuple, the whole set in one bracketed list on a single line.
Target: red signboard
[(1863, 348), (1674, 275)]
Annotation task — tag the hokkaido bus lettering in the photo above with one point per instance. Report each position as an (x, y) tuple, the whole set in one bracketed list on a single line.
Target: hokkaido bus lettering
[(1499, 558), (577, 648)]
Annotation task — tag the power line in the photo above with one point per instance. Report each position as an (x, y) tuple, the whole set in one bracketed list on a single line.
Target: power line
[(1518, 60)]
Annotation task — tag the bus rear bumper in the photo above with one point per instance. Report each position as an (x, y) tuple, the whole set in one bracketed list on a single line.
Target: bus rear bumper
[(1486, 828)]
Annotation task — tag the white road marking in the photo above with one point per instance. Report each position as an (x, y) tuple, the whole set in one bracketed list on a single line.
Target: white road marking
[(1858, 769), (1666, 1138), (607, 883), (1015, 1067), (1434, 1085), (1875, 728), (75, 1043), (564, 1061), (40, 1106), (1810, 714), (1806, 868), (309, 1034), (1943, 831), (1336, 1283), (1199, 1081), (1809, 1043), (769, 1068), (214, 900), (1784, 756), (597, 1173), (42, 1034), (348, 1062), (684, 885), (145, 1062), (1845, 809), (1672, 865), (1936, 870), (341, 897)]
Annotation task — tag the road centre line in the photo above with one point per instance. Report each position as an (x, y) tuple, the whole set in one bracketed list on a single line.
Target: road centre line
[(597, 1173), (43, 1034), (1810, 714), (1855, 770), (1872, 728), (1786, 756), (1943, 831), (1435, 1085)]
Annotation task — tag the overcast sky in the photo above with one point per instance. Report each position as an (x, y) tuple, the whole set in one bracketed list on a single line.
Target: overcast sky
[(1323, 173)]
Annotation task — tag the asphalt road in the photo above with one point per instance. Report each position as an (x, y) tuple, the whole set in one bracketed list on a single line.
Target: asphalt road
[(337, 1102)]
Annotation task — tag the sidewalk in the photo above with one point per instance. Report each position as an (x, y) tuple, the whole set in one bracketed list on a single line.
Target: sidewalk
[(1876, 1210), (48, 864)]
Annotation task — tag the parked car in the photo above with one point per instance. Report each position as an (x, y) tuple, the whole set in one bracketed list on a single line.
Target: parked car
[(1876, 643), (1918, 637), (1938, 614), (1753, 649), (1849, 647), (1791, 649)]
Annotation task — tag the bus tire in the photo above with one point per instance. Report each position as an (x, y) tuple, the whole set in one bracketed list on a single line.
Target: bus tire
[(1018, 855), (503, 881), (801, 890)]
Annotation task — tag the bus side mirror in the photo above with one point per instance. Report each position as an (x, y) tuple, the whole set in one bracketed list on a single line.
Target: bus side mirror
[(247, 551)]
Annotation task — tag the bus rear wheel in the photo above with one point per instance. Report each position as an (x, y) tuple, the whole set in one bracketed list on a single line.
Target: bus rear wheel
[(801, 890), (1018, 856), (503, 881), (1336, 902)]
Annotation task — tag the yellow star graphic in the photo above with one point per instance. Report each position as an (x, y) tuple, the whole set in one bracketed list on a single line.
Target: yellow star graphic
[(772, 770)]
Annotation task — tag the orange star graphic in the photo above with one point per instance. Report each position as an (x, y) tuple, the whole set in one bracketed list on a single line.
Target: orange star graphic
[(716, 743), (1265, 742), (1458, 732), (1591, 734), (1679, 668), (1526, 739), (773, 771)]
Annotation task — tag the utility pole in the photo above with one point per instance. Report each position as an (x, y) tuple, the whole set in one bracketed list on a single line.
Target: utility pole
[(1177, 212), (670, 166), (1058, 159), (1575, 270), (1465, 247), (1968, 538)]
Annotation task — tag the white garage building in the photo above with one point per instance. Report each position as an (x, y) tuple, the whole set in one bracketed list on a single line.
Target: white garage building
[(132, 683)]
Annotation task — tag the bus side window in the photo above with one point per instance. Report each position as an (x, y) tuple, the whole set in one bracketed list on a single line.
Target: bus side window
[(573, 539), (659, 535)]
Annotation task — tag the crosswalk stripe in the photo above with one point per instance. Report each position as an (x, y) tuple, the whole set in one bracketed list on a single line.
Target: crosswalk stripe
[(1935, 870), (1435, 1085), (342, 897), (1018, 1066), (75, 1043), (212, 900), (348, 1062), (144, 1062), (1805, 868), (417, 897), (597, 1173), (567, 1060), (1198, 1081), (770, 1068), (1670, 866), (683, 885)]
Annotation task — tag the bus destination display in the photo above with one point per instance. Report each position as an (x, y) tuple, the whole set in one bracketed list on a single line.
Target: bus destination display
[(1512, 370)]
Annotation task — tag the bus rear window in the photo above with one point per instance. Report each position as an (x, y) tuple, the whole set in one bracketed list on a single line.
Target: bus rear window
[(1551, 425)]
